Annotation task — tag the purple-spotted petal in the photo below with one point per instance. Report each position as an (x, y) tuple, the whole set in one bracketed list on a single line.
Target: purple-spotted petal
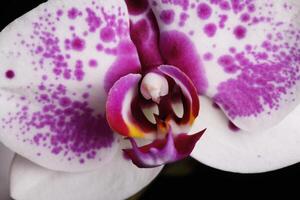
[(162, 151), (56, 63), (225, 147), (118, 179), (242, 54)]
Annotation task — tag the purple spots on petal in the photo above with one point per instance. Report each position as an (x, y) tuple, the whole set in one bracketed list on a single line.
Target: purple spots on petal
[(93, 63), (227, 62), (99, 47), (59, 12), (73, 13), (251, 8), (39, 50), (222, 21), (204, 11), (56, 150), (237, 5), (210, 29), (79, 73), (92, 20), (9, 74), (85, 95), (240, 32), (260, 76), (232, 50), (167, 16), (266, 72), (208, 56), (37, 138), (107, 34), (78, 44), (224, 5), (65, 124), (72, 28), (245, 17), (65, 102), (257, 86), (183, 17)]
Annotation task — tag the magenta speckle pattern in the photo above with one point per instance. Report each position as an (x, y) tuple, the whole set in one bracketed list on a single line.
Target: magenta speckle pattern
[(72, 13), (167, 16), (210, 29), (78, 44), (240, 32), (107, 34), (256, 51), (57, 117), (237, 52), (204, 11)]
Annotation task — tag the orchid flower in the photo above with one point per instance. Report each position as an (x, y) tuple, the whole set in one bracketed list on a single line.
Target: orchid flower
[(93, 90)]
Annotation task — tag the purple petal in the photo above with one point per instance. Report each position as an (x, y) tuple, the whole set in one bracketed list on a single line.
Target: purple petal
[(162, 151)]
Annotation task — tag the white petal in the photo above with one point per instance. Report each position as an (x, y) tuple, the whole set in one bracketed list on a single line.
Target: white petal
[(6, 157), (242, 54), (232, 150), (118, 179), (57, 63)]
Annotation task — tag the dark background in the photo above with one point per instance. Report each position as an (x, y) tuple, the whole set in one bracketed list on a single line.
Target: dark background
[(189, 179)]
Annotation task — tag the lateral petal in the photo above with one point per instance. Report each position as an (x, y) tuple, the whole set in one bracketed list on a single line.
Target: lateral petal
[(228, 148), (56, 63), (242, 54)]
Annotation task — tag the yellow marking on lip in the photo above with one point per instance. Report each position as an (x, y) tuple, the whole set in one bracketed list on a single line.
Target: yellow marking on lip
[(135, 132), (192, 118)]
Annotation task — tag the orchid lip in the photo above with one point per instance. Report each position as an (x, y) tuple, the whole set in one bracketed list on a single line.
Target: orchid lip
[(163, 151)]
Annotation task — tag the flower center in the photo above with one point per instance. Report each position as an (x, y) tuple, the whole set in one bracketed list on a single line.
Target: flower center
[(161, 106)]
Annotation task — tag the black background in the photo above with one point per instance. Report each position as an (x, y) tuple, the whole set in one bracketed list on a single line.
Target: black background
[(190, 179)]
